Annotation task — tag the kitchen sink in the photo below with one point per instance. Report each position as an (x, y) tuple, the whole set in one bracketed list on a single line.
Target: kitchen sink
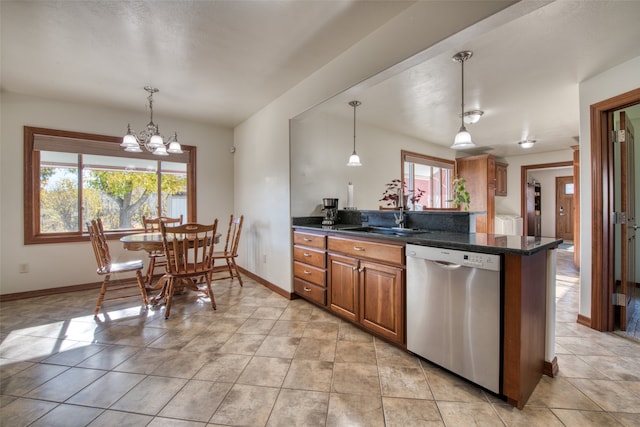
[(391, 230)]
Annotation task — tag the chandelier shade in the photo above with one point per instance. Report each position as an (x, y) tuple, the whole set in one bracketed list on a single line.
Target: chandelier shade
[(354, 159), (150, 138), (463, 137)]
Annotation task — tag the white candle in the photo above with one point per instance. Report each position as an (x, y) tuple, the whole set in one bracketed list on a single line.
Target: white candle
[(350, 195)]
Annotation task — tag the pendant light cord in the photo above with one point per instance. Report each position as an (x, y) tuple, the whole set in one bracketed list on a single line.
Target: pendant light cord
[(354, 126), (462, 104), (354, 104)]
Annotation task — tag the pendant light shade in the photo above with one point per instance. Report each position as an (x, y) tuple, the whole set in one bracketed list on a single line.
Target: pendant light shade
[(354, 159), (463, 137)]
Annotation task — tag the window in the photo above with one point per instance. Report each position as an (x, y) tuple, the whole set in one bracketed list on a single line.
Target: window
[(427, 180), (71, 178)]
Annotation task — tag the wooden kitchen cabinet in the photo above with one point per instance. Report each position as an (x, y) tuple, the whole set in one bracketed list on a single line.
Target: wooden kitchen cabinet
[(382, 300), (343, 288), (309, 266), (481, 183), (366, 285), (501, 179)]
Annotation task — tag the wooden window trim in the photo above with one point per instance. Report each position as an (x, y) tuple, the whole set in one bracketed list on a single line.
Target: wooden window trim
[(31, 180), (409, 156)]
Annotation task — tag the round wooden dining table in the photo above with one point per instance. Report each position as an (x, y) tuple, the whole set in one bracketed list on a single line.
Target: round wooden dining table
[(151, 242), (147, 241)]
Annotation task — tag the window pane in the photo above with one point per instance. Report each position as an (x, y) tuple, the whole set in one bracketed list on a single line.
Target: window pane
[(174, 189), (422, 181), (58, 192), (568, 188), (119, 190)]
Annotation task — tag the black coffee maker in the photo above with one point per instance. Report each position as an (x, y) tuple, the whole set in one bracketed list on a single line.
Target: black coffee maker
[(330, 211)]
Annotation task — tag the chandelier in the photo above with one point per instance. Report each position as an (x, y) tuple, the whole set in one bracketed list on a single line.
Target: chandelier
[(150, 137)]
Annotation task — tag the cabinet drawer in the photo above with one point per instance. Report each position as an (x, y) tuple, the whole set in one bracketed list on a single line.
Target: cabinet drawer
[(310, 274), (393, 254), (310, 291), (309, 256), (309, 239)]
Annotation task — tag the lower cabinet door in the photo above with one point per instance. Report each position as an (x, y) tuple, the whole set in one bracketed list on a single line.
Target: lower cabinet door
[(381, 300), (343, 286)]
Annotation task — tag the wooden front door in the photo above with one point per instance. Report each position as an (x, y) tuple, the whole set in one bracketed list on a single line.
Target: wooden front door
[(564, 207), (628, 225)]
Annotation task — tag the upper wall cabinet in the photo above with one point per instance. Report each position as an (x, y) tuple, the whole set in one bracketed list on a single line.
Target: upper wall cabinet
[(483, 180), (501, 179)]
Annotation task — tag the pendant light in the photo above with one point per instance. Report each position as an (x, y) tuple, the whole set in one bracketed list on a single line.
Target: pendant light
[(354, 159), (463, 137)]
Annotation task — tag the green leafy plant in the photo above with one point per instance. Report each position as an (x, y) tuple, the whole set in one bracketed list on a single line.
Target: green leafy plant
[(460, 196)]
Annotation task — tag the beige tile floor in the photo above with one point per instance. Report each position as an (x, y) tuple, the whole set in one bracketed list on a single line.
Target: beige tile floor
[(262, 360)]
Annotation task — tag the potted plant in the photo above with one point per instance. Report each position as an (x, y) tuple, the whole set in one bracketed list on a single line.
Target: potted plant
[(460, 196), (392, 191)]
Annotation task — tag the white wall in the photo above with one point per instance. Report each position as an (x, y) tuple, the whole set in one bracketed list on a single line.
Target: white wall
[(261, 173), (617, 80), (56, 265), (320, 148), (510, 204)]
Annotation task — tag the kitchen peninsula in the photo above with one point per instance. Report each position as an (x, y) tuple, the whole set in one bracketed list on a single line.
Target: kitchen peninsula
[(357, 270)]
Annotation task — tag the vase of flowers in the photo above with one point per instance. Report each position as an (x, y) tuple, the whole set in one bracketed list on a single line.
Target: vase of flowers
[(391, 195)]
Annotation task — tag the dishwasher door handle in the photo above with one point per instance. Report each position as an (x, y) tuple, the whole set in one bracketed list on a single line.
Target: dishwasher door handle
[(446, 265)]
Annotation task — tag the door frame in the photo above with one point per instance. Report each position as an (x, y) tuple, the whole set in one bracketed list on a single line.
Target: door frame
[(523, 187), (602, 189)]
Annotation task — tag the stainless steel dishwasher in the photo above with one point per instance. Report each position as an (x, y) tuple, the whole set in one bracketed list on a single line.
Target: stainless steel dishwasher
[(454, 311)]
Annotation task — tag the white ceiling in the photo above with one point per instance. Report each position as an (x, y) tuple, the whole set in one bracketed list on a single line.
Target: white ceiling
[(221, 61), (524, 75), (217, 61)]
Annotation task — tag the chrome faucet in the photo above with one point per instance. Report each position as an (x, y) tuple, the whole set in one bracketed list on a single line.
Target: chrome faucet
[(400, 216)]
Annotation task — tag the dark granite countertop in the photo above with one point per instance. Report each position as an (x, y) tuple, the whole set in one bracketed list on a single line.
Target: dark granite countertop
[(476, 242)]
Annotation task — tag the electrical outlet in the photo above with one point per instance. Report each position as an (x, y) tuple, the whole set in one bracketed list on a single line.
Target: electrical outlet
[(24, 267)]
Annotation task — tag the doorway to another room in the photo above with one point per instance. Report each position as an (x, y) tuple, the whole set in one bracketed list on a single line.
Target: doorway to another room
[(615, 284)]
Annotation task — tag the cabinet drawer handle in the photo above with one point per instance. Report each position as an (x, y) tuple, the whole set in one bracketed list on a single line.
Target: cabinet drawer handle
[(306, 272), (306, 254), (354, 268), (361, 269), (307, 289), (306, 239), (358, 248)]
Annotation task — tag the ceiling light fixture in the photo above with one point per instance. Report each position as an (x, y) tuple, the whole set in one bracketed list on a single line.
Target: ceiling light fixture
[(354, 159), (463, 138), (150, 137), (471, 117), (527, 143)]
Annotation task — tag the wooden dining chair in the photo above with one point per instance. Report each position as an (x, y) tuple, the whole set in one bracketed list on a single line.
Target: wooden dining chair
[(122, 288), (230, 252), (156, 258), (188, 249)]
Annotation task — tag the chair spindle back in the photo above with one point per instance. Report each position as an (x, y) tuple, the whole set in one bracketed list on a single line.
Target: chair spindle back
[(99, 244), (188, 247)]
